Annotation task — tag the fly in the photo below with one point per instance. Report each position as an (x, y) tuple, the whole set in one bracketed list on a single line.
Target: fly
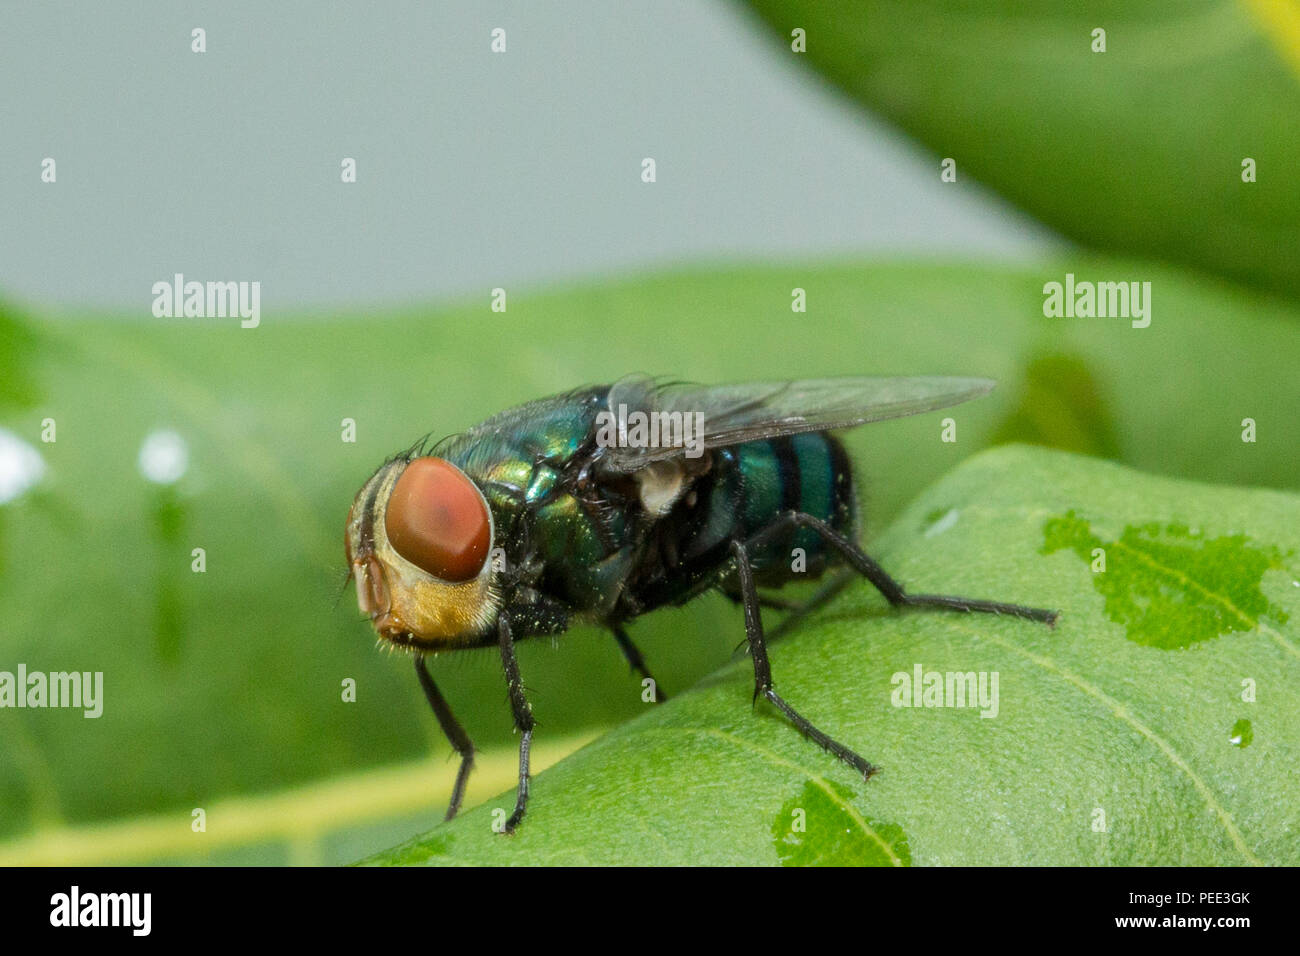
[(605, 503)]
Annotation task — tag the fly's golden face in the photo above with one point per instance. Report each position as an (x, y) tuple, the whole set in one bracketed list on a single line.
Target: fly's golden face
[(418, 538)]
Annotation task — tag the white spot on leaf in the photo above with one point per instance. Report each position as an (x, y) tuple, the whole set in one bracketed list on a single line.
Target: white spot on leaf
[(943, 524), (164, 457), (21, 466)]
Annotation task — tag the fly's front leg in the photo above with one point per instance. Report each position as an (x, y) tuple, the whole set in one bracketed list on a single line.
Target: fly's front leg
[(863, 563), (763, 670), (523, 713), (454, 732), (634, 658)]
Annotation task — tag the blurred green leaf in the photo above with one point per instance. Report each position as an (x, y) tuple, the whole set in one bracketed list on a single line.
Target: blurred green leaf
[(326, 822), (1138, 149), (227, 683), (17, 390), (1061, 404), (1111, 741)]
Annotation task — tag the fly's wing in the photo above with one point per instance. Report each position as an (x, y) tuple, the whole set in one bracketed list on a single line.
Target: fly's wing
[(733, 414)]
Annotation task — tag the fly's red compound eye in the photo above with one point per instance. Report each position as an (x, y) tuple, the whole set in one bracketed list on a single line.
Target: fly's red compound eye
[(437, 520)]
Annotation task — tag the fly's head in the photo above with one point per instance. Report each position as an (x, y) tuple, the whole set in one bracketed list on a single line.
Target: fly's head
[(418, 538)]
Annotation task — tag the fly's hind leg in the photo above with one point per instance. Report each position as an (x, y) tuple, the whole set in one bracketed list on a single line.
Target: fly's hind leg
[(865, 565), (763, 670), (636, 661), (454, 732)]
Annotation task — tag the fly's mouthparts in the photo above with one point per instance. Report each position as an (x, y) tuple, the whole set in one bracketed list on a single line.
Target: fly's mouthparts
[(372, 591)]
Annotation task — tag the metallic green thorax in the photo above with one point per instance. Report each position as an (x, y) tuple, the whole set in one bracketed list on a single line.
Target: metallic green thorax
[(517, 458), (592, 543)]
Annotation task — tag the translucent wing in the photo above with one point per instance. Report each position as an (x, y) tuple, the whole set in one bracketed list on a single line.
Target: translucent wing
[(733, 414)]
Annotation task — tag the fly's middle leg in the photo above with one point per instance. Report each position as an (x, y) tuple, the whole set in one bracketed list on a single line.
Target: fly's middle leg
[(763, 669)]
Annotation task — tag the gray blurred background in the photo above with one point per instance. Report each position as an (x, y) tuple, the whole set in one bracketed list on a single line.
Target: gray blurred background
[(475, 169)]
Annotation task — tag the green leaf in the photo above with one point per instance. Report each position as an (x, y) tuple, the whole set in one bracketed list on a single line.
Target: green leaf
[(226, 684), (16, 346), (1139, 149), (1155, 724)]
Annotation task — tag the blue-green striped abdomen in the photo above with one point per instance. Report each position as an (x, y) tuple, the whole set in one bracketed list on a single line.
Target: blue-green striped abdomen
[(756, 482)]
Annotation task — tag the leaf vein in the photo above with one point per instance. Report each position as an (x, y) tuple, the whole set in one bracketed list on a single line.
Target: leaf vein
[(1121, 712)]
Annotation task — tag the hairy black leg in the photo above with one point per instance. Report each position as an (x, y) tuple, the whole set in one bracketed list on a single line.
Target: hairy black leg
[(634, 658), (523, 713), (861, 562), (763, 670), (451, 727)]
